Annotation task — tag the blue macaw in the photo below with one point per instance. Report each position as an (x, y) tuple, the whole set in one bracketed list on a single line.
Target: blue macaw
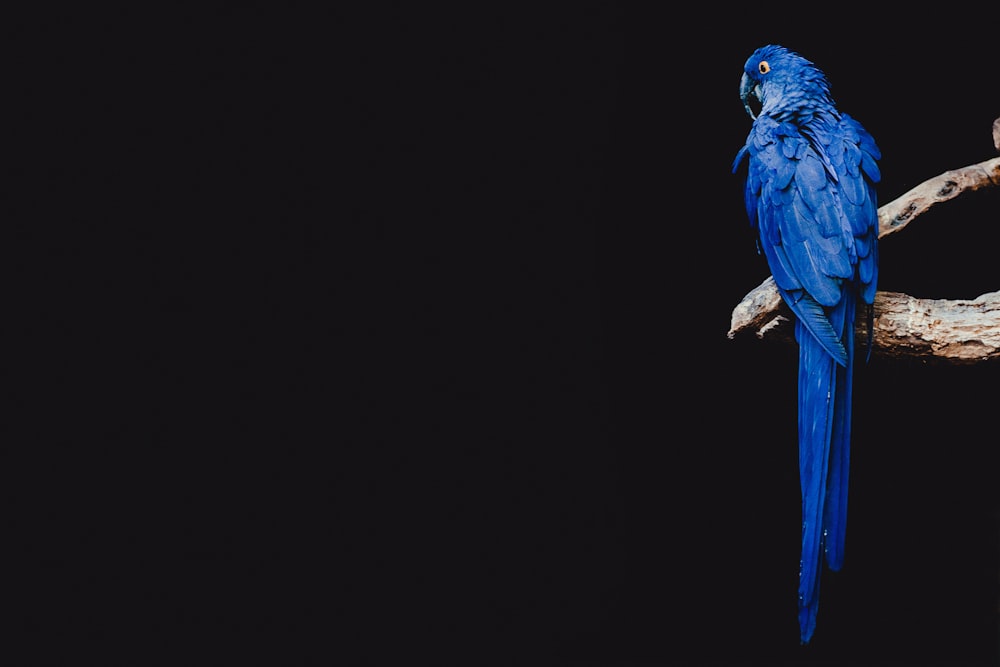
[(810, 195)]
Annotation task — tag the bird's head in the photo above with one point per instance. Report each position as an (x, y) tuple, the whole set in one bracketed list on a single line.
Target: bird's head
[(781, 83)]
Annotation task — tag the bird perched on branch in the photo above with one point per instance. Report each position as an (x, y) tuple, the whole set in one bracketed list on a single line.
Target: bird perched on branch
[(810, 195)]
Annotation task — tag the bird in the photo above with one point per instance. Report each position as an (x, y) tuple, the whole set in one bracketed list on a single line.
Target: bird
[(811, 172)]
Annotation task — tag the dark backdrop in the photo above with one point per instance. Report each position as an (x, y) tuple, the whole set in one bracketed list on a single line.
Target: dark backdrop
[(401, 339)]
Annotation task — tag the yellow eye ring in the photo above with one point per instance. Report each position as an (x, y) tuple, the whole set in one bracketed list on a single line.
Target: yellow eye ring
[(763, 67)]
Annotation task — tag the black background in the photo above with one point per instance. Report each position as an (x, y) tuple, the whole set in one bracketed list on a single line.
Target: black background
[(400, 338)]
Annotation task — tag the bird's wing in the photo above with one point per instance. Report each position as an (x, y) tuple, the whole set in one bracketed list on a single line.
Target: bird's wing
[(792, 196), (854, 156)]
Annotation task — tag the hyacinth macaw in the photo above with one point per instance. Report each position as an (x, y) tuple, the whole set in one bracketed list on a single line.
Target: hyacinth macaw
[(810, 196)]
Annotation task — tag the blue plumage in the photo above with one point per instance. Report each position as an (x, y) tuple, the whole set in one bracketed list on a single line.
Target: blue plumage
[(810, 195)]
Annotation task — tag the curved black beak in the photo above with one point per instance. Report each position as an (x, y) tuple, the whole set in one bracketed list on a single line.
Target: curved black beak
[(748, 88)]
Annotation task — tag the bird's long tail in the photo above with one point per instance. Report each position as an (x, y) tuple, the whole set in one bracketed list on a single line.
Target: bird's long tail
[(824, 451)]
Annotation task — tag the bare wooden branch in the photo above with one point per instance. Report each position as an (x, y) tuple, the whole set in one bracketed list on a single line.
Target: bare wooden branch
[(953, 330), (958, 331), (758, 308), (901, 211)]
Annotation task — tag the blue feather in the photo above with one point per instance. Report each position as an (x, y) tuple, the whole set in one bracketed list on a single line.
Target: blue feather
[(810, 194)]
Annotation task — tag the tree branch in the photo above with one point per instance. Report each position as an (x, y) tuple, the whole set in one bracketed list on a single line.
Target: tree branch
[(898, 213), (958, 331)]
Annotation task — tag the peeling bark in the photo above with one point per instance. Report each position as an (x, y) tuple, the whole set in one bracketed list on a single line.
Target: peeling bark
[(962, 331), (901, 211), (959, 330)]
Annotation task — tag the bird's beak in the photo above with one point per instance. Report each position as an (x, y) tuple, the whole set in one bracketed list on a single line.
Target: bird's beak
[(747, 88)]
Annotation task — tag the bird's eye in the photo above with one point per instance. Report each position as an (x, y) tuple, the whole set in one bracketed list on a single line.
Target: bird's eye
[(763, 67)]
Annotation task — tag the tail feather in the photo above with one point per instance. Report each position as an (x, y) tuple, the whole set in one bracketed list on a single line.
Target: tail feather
[(835, 517), (817, 378), (824, 433)]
